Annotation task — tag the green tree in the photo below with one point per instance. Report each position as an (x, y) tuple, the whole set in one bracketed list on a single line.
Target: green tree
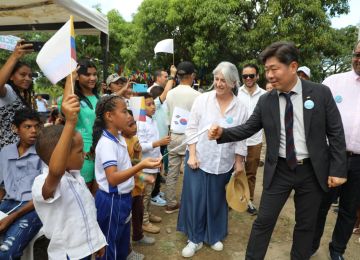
[(210, 31)]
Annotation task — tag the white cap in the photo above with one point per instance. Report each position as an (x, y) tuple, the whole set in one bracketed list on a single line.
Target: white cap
[(306, 70)]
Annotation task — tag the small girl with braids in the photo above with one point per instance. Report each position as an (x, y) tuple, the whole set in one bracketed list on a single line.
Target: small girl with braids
[(16, 91), (114, 174), (86, 90)]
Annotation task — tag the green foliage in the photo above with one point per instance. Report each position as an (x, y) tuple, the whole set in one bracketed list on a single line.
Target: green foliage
[(210, 31)]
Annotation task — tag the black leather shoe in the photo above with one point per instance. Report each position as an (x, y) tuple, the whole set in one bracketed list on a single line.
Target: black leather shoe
[(336, 256)]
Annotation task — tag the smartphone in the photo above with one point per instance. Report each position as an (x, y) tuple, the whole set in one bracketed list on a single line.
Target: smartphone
[(36, 45)]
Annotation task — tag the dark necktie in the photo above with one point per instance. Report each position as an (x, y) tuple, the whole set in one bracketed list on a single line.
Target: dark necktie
[(289, 126)]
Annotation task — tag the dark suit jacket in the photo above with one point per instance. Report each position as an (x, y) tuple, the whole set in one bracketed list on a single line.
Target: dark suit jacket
[(321, 123)]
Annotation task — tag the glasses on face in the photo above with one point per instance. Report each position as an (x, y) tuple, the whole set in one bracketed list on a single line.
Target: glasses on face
[(356, 55), (245, 76)]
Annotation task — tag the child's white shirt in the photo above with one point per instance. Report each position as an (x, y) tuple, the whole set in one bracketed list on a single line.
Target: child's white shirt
[(112, 151), (69, 218), (148, 133)]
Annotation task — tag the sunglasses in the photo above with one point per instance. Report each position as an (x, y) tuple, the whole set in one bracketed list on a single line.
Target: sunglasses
[(356, 55), (245, 76)]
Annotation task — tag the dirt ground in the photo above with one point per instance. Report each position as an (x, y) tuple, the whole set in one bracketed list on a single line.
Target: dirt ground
[(169, 242)]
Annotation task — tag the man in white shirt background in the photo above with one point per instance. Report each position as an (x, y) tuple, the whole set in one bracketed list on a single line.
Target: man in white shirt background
[(304, 73), (249, 94), (345, 88), (42, 107), (161, 78)]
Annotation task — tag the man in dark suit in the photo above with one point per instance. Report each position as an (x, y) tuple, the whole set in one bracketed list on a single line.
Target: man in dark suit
[(306, 149)]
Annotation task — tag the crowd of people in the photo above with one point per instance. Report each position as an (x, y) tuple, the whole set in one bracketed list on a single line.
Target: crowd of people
[(88, 174)]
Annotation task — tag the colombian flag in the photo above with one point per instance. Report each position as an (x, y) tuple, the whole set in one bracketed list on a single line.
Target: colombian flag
[(137, 106), (57, 59), (72, 38), (142, 116)]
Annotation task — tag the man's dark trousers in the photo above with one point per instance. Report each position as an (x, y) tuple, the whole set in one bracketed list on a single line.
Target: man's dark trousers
[(349, 202), (307, 198)]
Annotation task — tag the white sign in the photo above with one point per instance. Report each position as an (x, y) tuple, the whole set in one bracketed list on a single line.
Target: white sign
[(8, 42)]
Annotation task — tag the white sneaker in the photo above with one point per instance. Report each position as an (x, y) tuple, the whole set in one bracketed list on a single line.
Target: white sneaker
[(158, 201), (191, 249), (218, 246)]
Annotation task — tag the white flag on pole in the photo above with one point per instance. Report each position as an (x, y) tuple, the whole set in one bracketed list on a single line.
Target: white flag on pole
[(166, 45), (56, 59)]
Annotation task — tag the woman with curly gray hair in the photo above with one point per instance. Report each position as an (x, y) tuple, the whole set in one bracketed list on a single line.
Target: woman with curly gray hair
[(203, 215)]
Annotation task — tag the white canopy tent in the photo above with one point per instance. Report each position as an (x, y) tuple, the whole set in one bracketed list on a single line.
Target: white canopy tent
[(19, 16)]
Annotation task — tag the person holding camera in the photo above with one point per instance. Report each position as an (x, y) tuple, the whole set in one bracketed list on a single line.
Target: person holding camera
[(16, 90)]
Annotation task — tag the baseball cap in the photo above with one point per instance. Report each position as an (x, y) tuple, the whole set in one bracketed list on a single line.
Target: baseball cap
[(185, 68), (306, 70), (115, 77)]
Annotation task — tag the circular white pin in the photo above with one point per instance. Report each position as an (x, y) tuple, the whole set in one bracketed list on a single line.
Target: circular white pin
[(309, 104)]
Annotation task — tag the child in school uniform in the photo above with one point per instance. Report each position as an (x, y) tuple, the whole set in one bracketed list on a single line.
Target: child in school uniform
[(150, 142), (19, 165), (134, 150), (62, 200), (114, 175)]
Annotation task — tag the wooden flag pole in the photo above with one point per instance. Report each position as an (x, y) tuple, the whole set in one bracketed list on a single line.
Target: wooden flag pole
[(71, 73), (173, 54), (71, 79)]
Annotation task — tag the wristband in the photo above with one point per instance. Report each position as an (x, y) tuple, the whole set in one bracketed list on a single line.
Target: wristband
[(171, 78)]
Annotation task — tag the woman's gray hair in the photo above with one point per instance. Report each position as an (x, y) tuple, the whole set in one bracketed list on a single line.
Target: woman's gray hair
[(230, 73)]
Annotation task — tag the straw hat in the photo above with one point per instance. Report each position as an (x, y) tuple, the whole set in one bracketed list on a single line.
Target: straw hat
[(237, 192)]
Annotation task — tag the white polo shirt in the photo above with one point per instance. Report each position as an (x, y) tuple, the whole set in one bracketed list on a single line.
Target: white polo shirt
[(250, 102), (112, 151), (69, 218)]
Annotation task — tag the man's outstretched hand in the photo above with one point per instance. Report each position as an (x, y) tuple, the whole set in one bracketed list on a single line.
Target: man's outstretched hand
[(215, 132)]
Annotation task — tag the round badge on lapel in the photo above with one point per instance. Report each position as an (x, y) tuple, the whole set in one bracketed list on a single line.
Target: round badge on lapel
[(309, 104), (229, 120), (338, 99)]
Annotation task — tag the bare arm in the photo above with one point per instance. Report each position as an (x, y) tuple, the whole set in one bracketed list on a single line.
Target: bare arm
[(169, 84), (7, 221), (193, 162), (5, 71), (239, 163), (2, 193), (116, 177), (59, 157)]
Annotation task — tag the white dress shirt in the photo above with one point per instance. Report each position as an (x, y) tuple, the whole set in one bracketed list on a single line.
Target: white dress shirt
[(250, 101), (148, 133), (69, 218), (345, 88), (215, 158), (298, 127)]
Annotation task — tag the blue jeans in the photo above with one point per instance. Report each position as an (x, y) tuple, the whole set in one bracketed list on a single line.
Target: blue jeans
[(18, 235)]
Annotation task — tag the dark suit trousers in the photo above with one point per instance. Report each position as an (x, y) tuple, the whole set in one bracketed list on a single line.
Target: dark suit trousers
[(349, 194), (307, 198)]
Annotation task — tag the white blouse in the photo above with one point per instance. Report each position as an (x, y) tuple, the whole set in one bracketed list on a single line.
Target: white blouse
[(215, 158)]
